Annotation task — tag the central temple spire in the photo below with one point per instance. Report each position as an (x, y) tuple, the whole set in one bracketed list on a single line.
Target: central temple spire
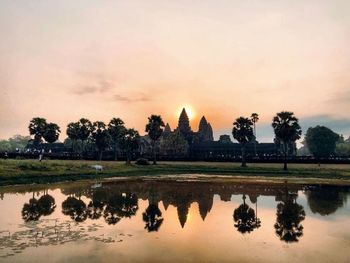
[(184, 123)]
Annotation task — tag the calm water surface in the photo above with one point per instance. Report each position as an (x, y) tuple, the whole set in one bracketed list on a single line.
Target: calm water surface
[(159, 221)]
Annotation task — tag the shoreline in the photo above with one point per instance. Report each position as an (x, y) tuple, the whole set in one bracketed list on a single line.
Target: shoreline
[(28, 172)]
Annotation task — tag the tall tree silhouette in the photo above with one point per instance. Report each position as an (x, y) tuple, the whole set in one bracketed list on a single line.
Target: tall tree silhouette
[(101, 137), (116, 129), (129, 142), (51, 133), (289, 216), (243, 132), (321, 141), (154, 128), (287, 131), (73, 131), (245, 218), (37, 128), (255, 118)]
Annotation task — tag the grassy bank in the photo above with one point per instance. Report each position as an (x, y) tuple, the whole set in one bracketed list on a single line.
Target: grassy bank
[(48, 171)]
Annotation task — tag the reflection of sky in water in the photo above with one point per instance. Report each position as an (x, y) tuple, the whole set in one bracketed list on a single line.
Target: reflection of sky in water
[(57, 236)]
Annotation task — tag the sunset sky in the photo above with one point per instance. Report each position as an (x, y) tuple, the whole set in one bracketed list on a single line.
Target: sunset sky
[(66, 59)]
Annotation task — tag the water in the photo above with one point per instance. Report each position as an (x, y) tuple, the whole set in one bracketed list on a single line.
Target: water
[(166, 221)]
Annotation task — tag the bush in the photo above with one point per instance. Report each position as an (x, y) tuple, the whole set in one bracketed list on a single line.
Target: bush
[(142, 161)]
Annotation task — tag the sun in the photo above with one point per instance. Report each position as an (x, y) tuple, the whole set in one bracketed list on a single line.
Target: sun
[(189, 110)]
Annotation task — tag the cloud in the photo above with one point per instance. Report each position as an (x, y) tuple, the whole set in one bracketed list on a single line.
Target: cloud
[(136, 98), (102, 86)]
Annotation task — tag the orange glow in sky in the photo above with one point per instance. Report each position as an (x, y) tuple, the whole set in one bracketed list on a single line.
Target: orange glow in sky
[(65, 60)]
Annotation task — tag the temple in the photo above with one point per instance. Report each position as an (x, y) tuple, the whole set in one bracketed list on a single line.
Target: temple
[(184, 143)]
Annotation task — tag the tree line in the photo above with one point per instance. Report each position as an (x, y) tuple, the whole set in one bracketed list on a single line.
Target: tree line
[(320, 141)]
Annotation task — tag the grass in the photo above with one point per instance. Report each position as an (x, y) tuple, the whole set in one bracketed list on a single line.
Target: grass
[(49, 171)]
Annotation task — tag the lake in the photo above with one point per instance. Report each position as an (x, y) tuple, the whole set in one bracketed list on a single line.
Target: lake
[(141, 220)]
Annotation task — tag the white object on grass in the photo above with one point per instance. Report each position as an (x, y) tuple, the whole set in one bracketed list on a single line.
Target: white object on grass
[(97, 167)]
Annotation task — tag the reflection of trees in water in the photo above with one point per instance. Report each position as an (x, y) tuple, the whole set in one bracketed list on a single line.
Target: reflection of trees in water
[(245, 219), (325, 200), (119, 206), (152, 217), (36, 208), (96, 205), (47, 204), (47, 233), (289, 216), (75, 208)]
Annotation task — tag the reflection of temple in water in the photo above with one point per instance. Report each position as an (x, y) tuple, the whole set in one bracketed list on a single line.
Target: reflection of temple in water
[(182, 194)]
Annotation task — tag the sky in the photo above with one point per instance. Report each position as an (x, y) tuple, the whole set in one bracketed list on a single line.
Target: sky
[(63, 60)]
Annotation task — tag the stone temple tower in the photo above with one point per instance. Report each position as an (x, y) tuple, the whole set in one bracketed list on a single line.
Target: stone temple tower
[(184, 123), (205, 131)]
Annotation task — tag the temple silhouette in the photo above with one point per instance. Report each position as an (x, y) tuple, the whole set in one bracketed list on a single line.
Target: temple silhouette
[(184, 143)]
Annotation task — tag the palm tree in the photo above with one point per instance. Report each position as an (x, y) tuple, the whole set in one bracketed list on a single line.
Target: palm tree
[(75, 208), (31, 210), (85, 130), (46, 204), (116, 128), (255, 118), (52, 133), (243, 133), (154, 128), (37, 128), (72, 131), (152, 217), (287, 131), (245, 218), (129, 142), (101, 137), (289, 216)]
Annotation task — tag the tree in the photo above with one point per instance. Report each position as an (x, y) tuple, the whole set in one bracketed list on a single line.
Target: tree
[(96, 206), (16, 142), (325, 199), (245, 218), (152, 217), (288, 222), (119, 206), (287, 131), (255, 118), (46, 204), (321, 141), (51, 133), (101, 137), (31, 210), (243, 132), (154, 128), (37, 128), (75, 208), (85, 130), (129, 142), (116, 129), (343, 149), (72, 131)]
